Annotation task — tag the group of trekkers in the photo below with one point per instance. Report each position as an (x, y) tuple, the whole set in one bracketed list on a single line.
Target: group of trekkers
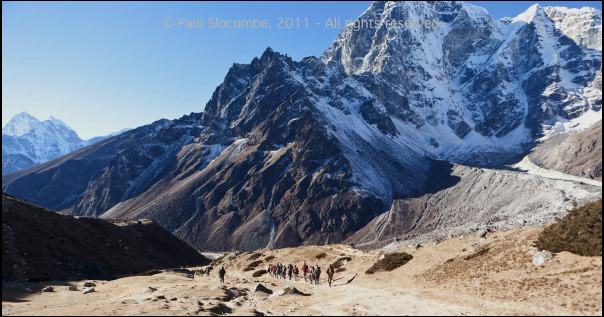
[(311, 274)]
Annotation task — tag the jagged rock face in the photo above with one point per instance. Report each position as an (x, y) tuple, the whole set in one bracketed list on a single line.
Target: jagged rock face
[(582, 25), (476, 75), (288, 153)]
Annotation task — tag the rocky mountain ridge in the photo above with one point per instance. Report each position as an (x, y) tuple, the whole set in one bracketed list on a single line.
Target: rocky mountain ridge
[(310, 152)]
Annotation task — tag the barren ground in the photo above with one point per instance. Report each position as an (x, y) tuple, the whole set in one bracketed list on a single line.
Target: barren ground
[(441, 279)]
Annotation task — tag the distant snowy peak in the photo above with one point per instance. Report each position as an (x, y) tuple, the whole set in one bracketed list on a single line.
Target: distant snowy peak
[(20, 124), (27, 141)]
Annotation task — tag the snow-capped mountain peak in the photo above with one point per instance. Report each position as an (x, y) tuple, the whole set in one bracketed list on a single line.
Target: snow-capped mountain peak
[(20, 124), (27, 141), (582, 25), (529, 14)]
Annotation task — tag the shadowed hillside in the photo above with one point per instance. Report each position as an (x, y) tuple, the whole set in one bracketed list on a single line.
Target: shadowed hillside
[(42, 245)]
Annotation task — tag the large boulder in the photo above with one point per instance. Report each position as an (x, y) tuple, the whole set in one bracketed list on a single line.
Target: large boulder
[(262, 289), (540, 257), (289, 290)]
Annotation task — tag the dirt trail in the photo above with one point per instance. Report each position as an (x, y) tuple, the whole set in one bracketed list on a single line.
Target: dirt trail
[(533, 169), (437, 281)]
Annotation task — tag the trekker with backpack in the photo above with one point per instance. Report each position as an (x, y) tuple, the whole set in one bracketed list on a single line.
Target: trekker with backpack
[(317, 274), (221, 274), (330, 274)]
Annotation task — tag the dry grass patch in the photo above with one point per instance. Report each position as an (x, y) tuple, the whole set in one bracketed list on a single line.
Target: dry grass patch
[(580, 232), (390, 262), (254, 256), (253, 265), (340, 262)]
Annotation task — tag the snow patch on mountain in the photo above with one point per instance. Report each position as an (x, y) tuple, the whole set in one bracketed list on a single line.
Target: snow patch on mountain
[(588, 119)]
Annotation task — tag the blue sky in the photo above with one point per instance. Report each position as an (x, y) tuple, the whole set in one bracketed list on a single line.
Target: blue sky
[(101, 67)]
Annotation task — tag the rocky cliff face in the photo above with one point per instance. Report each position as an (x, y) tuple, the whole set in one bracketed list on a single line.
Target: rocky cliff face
[(289, 153), (478, 78)]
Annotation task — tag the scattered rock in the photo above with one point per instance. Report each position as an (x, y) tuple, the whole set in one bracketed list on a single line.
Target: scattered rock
[(479, 242), (288, 290), (220, 309), (522, 222), (48, 289), (263, 289), (539, 258), (160, 297), (414, 246), (239, 300), (89, 290), (89, 284), (532, 250), (72, 288), (482, 233), (231, 293)]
